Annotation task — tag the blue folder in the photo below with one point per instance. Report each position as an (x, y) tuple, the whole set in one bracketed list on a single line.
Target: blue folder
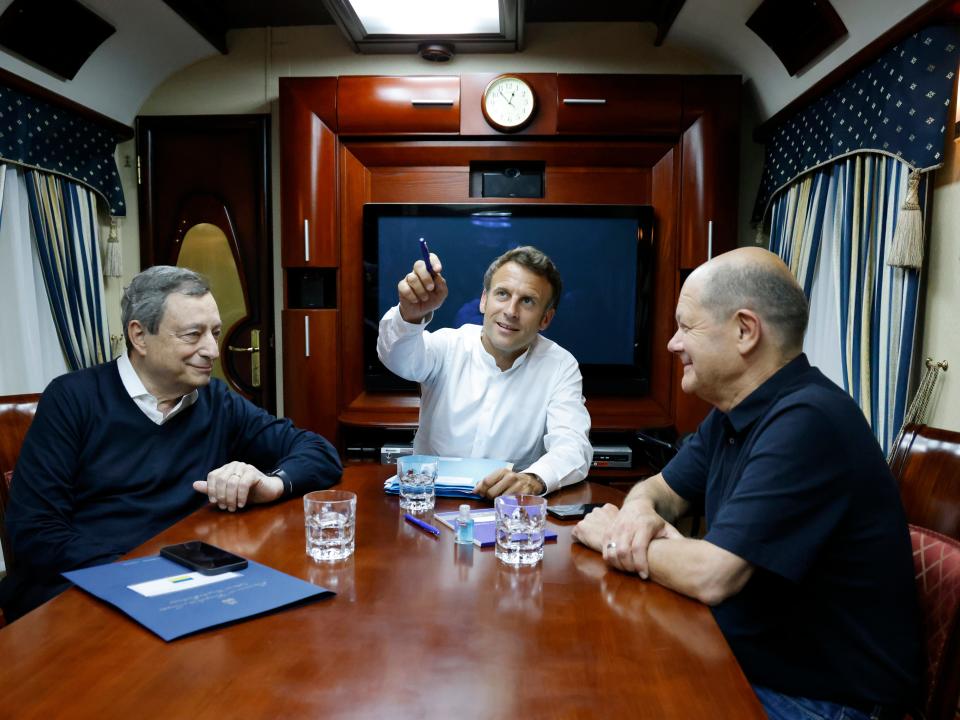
[(457, 476), (253, 591)]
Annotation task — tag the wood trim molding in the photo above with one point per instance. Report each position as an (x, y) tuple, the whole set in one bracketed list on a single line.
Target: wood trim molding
[(123, 132), (932, 12)]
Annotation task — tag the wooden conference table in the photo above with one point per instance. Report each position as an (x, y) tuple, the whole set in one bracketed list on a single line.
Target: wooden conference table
[(419, 628)]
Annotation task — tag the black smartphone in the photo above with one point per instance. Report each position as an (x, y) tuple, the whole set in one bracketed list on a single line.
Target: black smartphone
[(203, 557), (571, 512)]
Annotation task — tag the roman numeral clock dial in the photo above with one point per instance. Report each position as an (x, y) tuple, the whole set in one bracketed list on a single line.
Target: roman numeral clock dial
[(508, 103)]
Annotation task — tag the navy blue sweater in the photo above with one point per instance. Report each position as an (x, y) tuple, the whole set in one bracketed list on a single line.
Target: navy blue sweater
[(95, 477)]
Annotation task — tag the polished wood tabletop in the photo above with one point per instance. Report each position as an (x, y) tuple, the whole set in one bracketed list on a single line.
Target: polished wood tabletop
[(419, 628)]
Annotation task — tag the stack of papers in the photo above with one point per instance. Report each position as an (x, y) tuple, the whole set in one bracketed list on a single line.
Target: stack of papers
[(458, 476)]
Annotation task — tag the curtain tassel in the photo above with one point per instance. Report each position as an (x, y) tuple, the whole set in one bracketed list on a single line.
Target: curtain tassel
[(113, 266), (761, 238), (906, 250)]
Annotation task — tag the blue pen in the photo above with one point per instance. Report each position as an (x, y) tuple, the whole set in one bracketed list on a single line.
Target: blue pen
[(421, 524), (425, 251)]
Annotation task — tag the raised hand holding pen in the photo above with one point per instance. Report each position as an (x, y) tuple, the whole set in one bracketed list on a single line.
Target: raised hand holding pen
[(421, 292)]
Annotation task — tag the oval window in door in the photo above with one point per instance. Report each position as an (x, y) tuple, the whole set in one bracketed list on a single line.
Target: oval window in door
[(206, 250)]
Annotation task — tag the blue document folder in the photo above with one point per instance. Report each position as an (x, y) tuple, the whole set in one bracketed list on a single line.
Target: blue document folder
[(171, 601), (457, 477)]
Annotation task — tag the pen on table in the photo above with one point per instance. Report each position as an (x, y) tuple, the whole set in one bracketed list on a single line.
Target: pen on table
[(421, 524), (425, 251)]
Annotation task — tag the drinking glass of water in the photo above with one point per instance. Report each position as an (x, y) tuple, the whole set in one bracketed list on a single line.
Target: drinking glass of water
[(417, 477), (521, 524), (330, 519)]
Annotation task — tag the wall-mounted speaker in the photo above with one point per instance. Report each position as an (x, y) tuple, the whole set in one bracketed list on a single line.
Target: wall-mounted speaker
[(507, 180), (57, 35), (798, 31)]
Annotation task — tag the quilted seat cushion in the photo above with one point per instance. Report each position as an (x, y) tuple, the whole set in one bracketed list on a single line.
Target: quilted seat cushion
[(936, 562)]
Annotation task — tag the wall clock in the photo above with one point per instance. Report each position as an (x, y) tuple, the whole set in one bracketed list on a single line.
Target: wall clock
[(508, 103)]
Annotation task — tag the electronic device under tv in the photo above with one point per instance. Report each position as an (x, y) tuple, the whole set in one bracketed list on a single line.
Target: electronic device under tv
[(604, 254)]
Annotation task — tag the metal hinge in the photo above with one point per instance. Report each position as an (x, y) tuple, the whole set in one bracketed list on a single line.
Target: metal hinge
[(138, 170)]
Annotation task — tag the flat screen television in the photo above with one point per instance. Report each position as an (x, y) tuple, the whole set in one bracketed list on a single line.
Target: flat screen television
[(604, 254)]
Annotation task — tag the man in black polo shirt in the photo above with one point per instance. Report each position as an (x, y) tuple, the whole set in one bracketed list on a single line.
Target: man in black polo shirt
[(806, 562)]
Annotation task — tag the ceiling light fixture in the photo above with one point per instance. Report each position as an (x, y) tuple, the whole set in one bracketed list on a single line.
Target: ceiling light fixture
[(388, 26)]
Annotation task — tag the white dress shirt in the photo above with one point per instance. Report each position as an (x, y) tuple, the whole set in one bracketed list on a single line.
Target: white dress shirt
[(532, 414), (143, 399)]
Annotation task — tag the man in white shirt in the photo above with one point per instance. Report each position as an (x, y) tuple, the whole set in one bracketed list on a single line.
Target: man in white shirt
[(501, 390)]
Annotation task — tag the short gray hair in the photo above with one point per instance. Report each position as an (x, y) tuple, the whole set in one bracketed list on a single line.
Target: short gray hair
[(534, 260), (772, 294), (144, 299)]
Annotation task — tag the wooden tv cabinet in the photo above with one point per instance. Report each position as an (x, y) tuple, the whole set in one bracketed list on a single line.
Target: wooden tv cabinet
[(670, 141)]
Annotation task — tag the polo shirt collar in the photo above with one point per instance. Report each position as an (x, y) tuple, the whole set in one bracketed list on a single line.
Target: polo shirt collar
[(756, 403)]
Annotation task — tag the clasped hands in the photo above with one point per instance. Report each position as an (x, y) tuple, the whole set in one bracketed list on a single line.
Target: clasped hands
[(624, 535), (235, 484)]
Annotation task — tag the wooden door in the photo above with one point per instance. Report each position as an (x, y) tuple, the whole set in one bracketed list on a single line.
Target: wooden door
[(204, 189)]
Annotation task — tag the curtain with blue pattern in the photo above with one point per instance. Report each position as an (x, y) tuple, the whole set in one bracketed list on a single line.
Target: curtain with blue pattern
[(834, 229), (64, 217)]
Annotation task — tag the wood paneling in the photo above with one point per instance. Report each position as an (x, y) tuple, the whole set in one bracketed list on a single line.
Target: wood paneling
[(310, 370), (355, 190), (668, 141), (619, 104), (709, 157), (384, 105), (308, 179)]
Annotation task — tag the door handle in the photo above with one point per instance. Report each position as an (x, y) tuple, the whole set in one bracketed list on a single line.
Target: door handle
[(254, 351)]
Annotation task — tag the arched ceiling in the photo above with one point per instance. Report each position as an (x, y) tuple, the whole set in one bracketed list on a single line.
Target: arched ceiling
[(152, 42)]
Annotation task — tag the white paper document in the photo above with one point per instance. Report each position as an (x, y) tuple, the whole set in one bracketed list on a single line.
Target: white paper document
[(177, 583)]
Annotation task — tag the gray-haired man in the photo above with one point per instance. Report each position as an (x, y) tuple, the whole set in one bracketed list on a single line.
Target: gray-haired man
[(121, 451)]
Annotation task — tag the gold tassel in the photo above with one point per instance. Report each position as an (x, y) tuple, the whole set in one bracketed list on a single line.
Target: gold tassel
[(113, 266), (906, 250), (761, 238), (117, 345)]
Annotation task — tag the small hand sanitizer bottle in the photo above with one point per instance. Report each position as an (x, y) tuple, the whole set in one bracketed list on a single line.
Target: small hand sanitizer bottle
[(464, 526)]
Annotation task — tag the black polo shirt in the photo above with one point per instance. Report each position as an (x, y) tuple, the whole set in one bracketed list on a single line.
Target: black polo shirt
[(793, 481)]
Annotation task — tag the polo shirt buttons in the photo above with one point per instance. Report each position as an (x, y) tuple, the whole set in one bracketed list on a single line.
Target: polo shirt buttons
[(731, 441)]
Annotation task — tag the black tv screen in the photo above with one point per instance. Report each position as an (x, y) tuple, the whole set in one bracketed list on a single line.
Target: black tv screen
[(603, 252)]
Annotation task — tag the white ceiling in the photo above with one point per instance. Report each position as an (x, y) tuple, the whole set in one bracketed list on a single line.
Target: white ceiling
[(152, 43)]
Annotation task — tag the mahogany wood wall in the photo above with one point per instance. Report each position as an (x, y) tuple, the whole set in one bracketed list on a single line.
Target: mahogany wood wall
[(667, 141)]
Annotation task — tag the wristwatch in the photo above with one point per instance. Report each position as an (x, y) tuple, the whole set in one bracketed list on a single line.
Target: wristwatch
[(285, 479)]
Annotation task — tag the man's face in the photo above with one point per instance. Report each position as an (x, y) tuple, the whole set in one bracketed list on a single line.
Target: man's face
[(707, 347), (514, 310), (179, 357)]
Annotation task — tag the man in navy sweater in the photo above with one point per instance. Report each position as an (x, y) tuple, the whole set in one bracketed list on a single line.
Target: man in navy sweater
[(121, 451)]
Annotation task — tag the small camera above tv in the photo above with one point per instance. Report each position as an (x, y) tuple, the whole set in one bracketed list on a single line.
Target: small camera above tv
[(604, 254)]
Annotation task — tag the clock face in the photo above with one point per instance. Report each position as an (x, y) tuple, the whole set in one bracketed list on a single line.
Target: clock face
[(508, 103)]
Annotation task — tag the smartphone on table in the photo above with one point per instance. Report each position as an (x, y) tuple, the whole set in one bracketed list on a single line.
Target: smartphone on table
[(572, 512), (203, 558)]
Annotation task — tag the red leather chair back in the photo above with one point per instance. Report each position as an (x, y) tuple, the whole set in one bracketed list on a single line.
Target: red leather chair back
[(926, 464), (936, 562), (16, 414)]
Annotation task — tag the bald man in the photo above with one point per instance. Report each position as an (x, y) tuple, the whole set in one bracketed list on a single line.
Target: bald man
[(806, 562)]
